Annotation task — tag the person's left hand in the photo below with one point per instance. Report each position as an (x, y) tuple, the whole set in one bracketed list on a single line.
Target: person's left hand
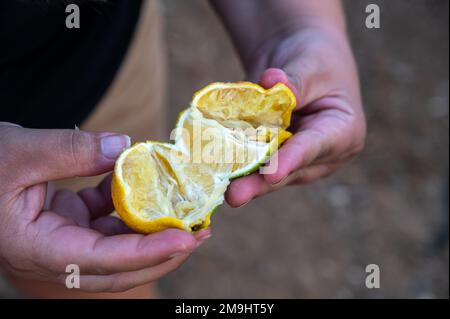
[(328, 123)]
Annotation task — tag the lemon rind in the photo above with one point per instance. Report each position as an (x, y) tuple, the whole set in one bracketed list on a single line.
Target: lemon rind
[(120, 188)]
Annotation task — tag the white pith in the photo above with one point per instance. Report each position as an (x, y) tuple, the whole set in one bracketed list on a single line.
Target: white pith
[(184, 197)]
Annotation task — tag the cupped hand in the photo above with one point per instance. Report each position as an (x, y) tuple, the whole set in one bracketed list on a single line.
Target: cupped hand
[(328, 123), (43, 230)]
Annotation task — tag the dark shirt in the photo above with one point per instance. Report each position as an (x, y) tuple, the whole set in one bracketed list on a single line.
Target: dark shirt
[(52, 76)]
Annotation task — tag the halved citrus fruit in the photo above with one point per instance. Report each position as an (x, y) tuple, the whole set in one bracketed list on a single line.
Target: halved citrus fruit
[(229, 130)]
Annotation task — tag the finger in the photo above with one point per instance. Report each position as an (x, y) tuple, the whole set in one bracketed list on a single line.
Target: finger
[(65, 243), (299, 151), (202, 236), (132, 252), (309, 174), (124, 281), (34, 198), (50, 193), (98, 199), (110, 225), (272, 76), (244, 189), (35, 155), (68, 204), (308, 81)]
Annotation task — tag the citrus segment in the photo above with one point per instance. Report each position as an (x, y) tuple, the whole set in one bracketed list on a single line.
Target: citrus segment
[(229, 130), (151, 183)]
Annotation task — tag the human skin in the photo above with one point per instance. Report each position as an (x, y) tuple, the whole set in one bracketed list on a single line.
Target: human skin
[(42, 230), (303, 44)]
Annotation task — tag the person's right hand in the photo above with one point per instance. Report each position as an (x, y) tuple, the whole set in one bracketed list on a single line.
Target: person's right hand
[(43, 230)]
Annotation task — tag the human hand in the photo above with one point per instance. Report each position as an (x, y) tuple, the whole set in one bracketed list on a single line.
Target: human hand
[(43, 230), (328, 123)]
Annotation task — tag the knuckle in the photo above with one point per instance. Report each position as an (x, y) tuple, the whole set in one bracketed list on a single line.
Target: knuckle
[(73, 140), (12, 157), (357, 147), (79, 147)]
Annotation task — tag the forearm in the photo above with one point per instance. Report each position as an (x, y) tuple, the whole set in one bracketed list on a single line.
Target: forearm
[(255, 24)]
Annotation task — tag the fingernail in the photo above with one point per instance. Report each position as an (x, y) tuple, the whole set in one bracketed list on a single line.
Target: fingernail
[(113, 145)]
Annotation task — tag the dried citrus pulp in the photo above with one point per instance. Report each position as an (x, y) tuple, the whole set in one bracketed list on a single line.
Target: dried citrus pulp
[(229, 130)]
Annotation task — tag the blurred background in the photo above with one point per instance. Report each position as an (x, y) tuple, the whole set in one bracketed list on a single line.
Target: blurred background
[(388, 206)]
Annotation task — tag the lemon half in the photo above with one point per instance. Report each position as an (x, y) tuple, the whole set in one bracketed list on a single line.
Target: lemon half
[(229, 130)]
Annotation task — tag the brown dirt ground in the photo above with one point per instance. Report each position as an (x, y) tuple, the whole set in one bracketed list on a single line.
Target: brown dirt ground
[(386, 207)]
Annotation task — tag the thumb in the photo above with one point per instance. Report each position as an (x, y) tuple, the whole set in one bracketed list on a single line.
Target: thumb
[(35, 155)]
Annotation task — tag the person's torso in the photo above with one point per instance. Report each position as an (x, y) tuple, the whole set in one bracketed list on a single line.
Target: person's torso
[(52, 76)]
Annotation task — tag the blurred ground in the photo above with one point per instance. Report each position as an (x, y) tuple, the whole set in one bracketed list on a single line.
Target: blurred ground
[(386, 207)]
